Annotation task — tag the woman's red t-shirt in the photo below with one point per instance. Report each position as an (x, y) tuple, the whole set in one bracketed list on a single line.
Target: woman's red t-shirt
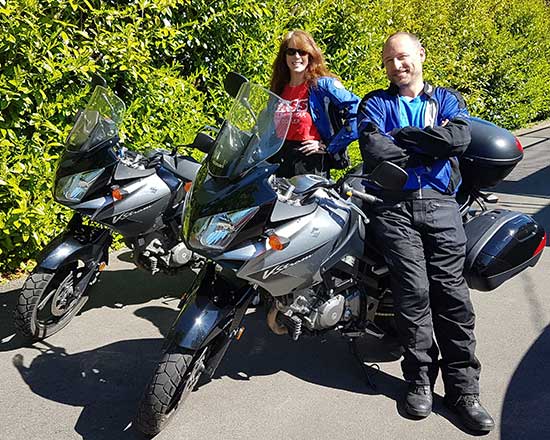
[(301, 125)]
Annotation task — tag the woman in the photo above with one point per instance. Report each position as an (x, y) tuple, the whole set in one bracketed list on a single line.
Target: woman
[(323, 111)]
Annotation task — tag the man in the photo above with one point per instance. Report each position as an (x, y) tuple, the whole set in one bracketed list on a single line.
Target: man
[(423, 128)]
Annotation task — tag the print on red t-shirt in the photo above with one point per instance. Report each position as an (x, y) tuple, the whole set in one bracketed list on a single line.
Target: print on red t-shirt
[(301, 125)]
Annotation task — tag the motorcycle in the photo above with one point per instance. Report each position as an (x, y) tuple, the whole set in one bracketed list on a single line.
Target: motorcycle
[(112, 189), (301, 242)]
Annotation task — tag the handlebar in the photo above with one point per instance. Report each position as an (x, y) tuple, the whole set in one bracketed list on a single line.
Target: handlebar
[(369, 198), (285, 189)]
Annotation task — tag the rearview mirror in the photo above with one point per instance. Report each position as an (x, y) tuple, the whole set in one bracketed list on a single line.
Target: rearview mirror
[(233, 82), (203, 142), (389, 176), (98, 80)]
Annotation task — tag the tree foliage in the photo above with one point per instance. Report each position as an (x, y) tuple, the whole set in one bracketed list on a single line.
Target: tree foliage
[(167, 59)]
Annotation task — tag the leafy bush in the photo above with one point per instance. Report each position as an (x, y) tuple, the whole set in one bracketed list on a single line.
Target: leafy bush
[(168, 58)]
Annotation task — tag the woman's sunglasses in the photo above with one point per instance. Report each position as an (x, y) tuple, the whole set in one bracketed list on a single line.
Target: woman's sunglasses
[(290, 51)]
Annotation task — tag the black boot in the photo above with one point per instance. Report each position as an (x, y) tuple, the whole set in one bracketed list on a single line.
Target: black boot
[(472, 413), (418, 401)]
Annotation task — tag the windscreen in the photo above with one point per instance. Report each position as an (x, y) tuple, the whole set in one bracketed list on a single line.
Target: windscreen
[(253, 131), (97, 122)]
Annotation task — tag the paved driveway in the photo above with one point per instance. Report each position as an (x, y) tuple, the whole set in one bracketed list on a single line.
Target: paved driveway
[(85, 382)]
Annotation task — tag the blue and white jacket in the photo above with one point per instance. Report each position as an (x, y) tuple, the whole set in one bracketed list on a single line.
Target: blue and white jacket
[(428, 153), (333, 110)]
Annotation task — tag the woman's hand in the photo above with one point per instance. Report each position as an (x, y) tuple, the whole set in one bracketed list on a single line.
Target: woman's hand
[(310, 147)]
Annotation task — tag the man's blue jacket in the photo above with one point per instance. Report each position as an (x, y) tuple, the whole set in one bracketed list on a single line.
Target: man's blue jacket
[(428, 153), (334, 112)]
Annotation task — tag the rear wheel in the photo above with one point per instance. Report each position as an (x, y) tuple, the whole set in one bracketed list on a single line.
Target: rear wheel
[(176, 376), (49, 301)]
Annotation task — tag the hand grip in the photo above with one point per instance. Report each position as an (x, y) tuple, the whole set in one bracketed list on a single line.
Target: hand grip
[(369, 198)]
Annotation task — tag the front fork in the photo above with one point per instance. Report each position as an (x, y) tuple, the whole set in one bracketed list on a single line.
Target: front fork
[(211, 313), (79, 243)]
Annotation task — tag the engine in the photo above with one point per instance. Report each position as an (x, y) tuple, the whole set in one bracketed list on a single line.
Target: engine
[(312, 310), (156, 252)]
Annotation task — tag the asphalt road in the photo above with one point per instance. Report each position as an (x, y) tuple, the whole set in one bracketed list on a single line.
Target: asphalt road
[(86, 381)]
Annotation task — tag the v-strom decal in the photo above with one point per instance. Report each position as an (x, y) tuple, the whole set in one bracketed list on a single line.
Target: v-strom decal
[(280, 267), (127, 214)]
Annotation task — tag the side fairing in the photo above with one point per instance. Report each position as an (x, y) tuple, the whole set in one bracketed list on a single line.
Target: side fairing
[(311, 239), (138, 212)]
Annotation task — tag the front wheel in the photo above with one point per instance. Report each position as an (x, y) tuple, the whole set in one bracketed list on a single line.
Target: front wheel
[(49, 301), (175, 377)]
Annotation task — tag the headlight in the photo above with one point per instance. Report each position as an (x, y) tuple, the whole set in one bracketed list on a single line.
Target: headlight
[(217, 231), (73, 188)]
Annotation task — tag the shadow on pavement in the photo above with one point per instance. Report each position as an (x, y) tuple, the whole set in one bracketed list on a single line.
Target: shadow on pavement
[(527, 400), (533, 185), (8, 300), (108, 381), (126, 287), (324, 361), (115, 289)]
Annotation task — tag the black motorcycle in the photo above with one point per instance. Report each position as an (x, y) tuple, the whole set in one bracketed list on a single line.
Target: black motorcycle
[(303, 243), (111, 189)]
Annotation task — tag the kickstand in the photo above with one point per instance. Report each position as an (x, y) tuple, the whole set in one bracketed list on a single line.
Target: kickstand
[(353, 348)]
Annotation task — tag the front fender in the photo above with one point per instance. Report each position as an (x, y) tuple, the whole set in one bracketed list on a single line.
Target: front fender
[(80, 242), (207, 309)]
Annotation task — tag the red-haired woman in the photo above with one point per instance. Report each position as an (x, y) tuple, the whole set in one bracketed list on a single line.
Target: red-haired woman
[(323, 111)]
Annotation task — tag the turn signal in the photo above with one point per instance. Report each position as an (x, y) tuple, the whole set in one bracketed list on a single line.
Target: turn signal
[(102, 266), (117, 194), (240, 332), (276, 243), (187, 186)]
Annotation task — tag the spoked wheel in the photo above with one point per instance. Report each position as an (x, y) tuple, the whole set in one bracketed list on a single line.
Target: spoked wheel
[(48, 301), (176, 376)]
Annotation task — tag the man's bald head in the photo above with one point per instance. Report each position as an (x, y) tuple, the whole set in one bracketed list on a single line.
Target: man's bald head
[(401, 34)]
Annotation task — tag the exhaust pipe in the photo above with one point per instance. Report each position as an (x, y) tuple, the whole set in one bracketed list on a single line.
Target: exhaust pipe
[(272, 321)]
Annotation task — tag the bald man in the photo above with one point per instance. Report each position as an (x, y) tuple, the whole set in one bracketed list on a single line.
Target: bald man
[(423, 129)]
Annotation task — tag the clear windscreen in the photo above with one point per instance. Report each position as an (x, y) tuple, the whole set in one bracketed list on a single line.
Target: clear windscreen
[(254, 130), (98, 121)]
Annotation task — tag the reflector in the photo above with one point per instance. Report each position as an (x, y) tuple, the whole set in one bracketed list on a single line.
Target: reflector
[(540, 247)]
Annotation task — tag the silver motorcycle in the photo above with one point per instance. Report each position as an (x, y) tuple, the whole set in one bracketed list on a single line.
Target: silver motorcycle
[(111, 189), (303, 243)]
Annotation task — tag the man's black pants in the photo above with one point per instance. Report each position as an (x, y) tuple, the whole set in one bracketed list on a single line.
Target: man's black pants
[(423, 243)]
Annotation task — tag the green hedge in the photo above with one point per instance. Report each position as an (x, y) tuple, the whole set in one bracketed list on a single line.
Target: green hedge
[(169, 58)]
